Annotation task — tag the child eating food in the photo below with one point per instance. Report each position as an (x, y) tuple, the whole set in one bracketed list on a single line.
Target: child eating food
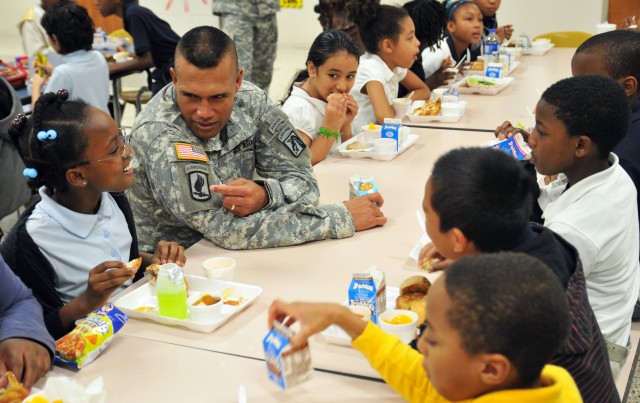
[(391, 48), (77, 158), (493, 323), (318, 103)]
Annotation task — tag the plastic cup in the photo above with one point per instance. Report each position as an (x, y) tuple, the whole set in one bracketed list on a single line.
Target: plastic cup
[(219, 268), (384, 146), (370, 135), (401, 106), (406, 332)]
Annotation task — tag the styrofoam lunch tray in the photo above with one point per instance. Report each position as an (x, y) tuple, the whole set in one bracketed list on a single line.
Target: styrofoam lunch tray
[(370, 153), (335, 335), (146, 296), (467, 73), (436, 118), (502, 83)]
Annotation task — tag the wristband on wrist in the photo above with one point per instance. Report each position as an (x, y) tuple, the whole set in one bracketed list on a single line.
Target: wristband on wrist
[(328, 134)]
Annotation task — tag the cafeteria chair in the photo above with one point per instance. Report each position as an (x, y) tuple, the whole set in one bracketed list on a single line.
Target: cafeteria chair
[(566, 39), (138, 97)]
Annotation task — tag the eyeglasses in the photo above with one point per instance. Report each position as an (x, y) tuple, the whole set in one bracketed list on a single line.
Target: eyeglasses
[(126, 152)]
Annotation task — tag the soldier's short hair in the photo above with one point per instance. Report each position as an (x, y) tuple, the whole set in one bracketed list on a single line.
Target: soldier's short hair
[(205, 46)]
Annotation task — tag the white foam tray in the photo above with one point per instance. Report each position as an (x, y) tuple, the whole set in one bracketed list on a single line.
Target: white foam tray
[(370, 153), (436, 118)]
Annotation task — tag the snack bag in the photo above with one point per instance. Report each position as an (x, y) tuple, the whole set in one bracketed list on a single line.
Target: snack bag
[(287, 365), (361, 185), (514, 146), (91, 335), (369, 290)]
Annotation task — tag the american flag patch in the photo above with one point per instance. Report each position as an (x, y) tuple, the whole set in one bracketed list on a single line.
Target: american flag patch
[(186, 151)]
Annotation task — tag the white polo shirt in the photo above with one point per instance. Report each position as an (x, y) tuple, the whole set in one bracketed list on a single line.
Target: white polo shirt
[(373, 68), (306, 113), (432, 59), (85, 75), (74, 243), (599, 216)]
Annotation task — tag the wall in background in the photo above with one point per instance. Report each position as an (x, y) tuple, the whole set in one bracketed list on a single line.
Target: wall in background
[(298, 27)]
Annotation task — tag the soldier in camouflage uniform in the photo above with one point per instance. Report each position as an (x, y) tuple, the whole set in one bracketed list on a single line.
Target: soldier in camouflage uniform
[(199, 142), (253, 27)]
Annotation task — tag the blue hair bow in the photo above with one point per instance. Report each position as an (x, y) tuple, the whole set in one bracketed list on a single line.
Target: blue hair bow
[(49, 134), (31, 173)]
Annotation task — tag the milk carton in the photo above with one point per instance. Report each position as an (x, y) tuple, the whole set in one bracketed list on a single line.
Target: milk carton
[(494, 70), (369, 289), (287, 365), (514, 146), (392, 129)]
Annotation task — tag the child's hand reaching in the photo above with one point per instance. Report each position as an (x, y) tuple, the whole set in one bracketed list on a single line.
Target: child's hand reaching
[(507, 130), (104, 279), (431, 260), (441, 77), (504, 32), (169, 252)]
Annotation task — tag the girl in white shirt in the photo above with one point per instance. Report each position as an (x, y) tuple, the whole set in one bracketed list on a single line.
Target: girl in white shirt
[(318, 103), (388, 34)]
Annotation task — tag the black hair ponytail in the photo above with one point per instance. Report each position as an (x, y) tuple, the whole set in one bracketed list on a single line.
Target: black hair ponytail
[(325, 45), (51, 140), (430, 19), (375, 22)]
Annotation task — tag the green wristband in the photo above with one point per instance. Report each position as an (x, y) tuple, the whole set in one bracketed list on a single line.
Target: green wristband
[(328, 134)]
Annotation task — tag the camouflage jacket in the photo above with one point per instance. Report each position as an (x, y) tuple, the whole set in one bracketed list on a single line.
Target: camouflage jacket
[(170, 196), (249, 8)]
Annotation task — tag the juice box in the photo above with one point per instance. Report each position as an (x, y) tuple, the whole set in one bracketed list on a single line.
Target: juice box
[(287, 365), (369, 290), (361, 185)]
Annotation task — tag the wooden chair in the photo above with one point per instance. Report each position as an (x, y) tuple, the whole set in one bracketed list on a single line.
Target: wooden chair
[(566, 39)]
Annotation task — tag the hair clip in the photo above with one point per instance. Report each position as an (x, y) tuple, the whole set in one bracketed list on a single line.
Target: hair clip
[(19, 121), (63, 94), (49, 134), (30, 173)]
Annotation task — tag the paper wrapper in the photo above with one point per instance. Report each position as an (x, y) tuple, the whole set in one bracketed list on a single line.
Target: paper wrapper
[(69, 391)]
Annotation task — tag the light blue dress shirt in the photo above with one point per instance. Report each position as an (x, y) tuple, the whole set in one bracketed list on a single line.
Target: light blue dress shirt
[(85, 75), (74, 243)]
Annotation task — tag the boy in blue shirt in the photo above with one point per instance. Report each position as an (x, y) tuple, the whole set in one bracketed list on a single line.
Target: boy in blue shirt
[(154, 40)]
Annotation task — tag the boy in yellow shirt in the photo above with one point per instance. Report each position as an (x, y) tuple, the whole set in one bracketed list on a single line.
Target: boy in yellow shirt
[(493, 322)]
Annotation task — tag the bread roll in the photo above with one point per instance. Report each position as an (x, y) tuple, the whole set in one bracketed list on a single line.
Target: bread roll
[(415, 285)]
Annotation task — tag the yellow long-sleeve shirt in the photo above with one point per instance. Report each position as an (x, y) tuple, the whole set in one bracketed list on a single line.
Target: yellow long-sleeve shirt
[(401, 367)]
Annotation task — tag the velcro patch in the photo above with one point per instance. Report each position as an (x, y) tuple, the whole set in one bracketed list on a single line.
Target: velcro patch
[(294, 144), (198, 183), (190, 152)]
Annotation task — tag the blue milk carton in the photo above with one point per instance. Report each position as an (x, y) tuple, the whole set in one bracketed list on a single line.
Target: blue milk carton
[(369, 290), (392, 129), (287, 365)]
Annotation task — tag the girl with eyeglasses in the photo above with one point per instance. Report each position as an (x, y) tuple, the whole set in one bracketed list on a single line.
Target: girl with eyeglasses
[(72, 246)]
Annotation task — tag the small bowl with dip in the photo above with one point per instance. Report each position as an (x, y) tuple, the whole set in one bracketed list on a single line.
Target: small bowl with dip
[(400, 322), (205, 306)]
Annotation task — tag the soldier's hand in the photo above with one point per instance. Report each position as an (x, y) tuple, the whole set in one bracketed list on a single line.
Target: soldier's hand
[(241, 196), (365, 211)]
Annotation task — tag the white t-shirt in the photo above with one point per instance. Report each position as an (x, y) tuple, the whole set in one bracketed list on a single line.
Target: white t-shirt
[(74, 243), (432, 59), (373, 68), (599, 216), (306, 113), (85, 75)]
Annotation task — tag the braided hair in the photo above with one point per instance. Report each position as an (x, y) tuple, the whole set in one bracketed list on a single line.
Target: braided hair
[(48, 159), (375, 22), (430, 19)]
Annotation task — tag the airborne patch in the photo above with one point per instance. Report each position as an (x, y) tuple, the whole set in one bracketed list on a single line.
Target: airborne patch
[(198, 183), (294, 144)]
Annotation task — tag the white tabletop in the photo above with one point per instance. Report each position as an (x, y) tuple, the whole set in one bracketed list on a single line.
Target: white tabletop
[(322, 271)]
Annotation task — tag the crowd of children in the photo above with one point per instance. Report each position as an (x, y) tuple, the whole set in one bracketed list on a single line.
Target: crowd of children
[(559, 262)]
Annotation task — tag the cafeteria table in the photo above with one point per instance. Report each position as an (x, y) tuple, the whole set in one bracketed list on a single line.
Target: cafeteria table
[(322, 271), (137, 370), (533, 75)]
